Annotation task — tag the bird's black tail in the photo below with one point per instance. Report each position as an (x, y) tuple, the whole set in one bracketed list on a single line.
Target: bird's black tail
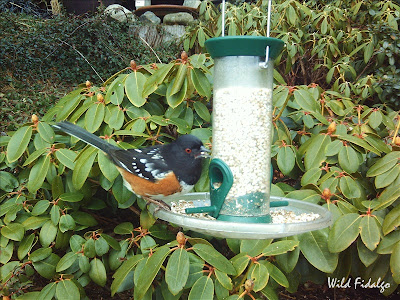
[(85, 136)]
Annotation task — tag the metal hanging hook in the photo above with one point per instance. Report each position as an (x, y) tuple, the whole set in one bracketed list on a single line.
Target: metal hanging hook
[(223, 18), (265, 63)]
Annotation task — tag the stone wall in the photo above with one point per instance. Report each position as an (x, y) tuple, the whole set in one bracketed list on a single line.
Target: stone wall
[(150, 27)]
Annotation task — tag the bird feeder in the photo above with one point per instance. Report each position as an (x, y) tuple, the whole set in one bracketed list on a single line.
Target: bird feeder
[(240, 170)]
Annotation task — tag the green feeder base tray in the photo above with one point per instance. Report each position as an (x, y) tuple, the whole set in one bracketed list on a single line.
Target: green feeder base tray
[(246, 230)]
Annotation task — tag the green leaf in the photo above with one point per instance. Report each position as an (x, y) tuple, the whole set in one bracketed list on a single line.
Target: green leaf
[(83, 166), (177, 271), (67, 290), (375, 119), (18, 143), (315, 152), (134, 85), (202, 111), (202, 289), (156, 79), (71, 197), (366, 256), (66, 157), (311, 176), (368, 52), (254, 247), (286, 160), (391, 221), (35, 155), (66, 261), (38, 174), (66, 223), (306, 100), (114, 117), (48, 292), (34, 222), (370, 232), (348, 159), (280, 247), (89, 248), (115, 92), (94, 117), (55, 214), (288, 261), (175, 99), (124, 228), (123, 271), (13, 231), (389, 195), (344, 232), (150, 270), (40, 254), (47, 267), (101, 246), (46, 132), (69, 103), (180, 77), (384, 164), (111, 241), (388, 242), (276, 274), (98, 272), (385, 179), (76, 242), (260, 275), (40, 207), (240, 262), (214, 258), (25, 246), (395, 263), (201, 83), (224, 279), (349, 187), (8, 182), (359, 142), (6, 253), (48, 233), (108, 169), (84, 264)]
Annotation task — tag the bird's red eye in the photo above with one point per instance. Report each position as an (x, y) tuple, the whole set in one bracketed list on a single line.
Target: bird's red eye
[(188, 150)]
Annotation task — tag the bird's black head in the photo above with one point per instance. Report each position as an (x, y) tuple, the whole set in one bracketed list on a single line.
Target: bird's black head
[(185, 157), (191, 146)]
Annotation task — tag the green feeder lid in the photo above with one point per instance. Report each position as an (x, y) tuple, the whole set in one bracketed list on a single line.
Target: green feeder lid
[(242, 45)]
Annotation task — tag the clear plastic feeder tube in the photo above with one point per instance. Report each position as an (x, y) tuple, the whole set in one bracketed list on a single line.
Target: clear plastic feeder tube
[(242, 119)]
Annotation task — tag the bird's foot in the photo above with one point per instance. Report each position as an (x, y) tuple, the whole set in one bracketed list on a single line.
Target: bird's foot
[(159, 203)]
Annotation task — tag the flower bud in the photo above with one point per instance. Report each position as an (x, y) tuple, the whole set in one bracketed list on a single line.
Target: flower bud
[(184, 56), (397, 140), (88, 84), (180, 238), (100, 97), (35, 119), (249, 285), (326, 193), (133, 64), (332, 128)]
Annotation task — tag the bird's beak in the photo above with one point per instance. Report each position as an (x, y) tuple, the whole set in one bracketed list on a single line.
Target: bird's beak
[(204, 152)]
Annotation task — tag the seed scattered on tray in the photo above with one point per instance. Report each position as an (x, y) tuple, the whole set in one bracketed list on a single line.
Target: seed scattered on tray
[(287, 216), (180, 206), (278, 216)]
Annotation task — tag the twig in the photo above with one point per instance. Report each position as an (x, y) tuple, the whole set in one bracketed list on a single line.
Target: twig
[(73, 47), (147, 44)]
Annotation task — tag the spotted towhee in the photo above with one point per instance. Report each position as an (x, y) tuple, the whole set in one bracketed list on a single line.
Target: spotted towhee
[(152, 173)]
